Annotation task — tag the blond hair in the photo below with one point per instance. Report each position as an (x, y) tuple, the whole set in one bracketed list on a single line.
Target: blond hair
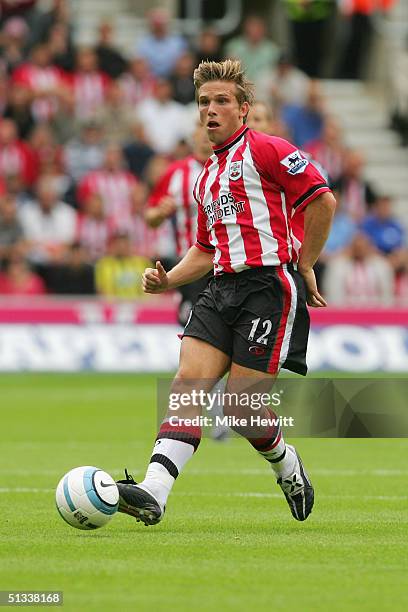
[(228, 70)]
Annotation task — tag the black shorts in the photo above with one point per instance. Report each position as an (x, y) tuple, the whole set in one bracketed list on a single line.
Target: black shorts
[(258, 317), (189, 295)]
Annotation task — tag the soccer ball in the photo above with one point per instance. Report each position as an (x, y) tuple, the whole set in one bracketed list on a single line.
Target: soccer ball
[(87, 497)]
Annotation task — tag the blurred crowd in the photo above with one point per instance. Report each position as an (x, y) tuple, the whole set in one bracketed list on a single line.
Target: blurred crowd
[(86, 134)]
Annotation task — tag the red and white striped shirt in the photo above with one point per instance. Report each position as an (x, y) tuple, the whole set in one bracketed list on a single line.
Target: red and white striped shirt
[(135, 92), (90, 90), (41, 79), (178, 182), (93, 234), (17, 158), (329, 157), (115, 189), (247, 194)]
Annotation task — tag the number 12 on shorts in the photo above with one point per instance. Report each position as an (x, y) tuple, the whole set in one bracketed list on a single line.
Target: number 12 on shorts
[(263, 338)]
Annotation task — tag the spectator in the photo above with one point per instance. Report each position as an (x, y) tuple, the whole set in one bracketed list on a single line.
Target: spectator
[(110, 60), (170, 203), (64, 123), (85, 153), (359, 17), (15, 187), (284, 84), (61, 48), (401, 278), (138, 82), (341, 234), (398, 94), (16, 156), (329, 149), (48, 224), (172, 208), (182, 79), (21, 8), (155, 169), (119, 274), (360, 277), (48, 157), (382, 228), (73, 276), (19, 109), (136, 152), (115, 116), (93, 229), (261, 118), (4, 86), (46, 151), (89, 84), (13, 37), (11, 231), (44, 81), (208, 46), (58, 13), (143, 240), (305, 122), (257, 53), (162, 119), (15, 7), (18, 279), (116, 185), (160, 48), (356, 194), (309, 21)]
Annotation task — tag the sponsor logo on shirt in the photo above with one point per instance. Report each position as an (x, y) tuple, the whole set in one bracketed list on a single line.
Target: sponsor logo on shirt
[(295, 163), (224, 206), (235, 170)]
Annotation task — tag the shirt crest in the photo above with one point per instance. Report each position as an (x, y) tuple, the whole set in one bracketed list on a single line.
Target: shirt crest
[(235, 170)]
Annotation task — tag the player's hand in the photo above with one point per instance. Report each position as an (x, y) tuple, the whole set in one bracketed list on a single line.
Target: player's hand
[(314, 299), (155, 280), (167, 207)]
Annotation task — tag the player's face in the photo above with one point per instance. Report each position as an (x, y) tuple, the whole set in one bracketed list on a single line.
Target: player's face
[(220, 112)]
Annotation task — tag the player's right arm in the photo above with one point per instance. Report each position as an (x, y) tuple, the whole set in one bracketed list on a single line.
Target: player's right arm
[(155, 215), (161, 205), (195, 264)]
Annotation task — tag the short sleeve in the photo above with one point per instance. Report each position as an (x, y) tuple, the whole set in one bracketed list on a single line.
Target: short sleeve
[(203, 237), (160, 189), (296, 175)]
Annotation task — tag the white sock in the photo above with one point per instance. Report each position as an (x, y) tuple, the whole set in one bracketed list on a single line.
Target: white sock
[(167, 461), (282, 459), (287, 465)]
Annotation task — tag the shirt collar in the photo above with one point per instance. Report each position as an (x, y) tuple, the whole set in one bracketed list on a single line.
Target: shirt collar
[(231, 140)]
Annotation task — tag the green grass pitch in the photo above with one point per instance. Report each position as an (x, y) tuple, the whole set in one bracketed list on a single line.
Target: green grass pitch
[(228, 541)]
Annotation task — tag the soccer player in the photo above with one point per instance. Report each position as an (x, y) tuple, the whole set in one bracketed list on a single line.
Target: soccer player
[(252, 318), (172, 198)]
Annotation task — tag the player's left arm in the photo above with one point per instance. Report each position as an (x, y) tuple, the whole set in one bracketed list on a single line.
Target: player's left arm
[(306, 191), (318, 219)]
